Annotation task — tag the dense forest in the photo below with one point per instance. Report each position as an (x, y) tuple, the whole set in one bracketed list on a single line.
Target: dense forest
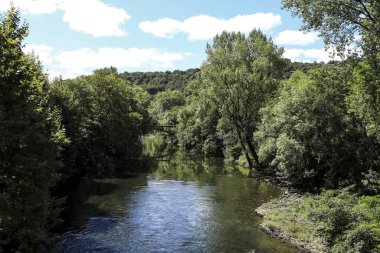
[(154, 82), (314, 127)]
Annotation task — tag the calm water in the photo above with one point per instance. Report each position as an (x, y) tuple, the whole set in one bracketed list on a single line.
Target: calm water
[(185, 204)]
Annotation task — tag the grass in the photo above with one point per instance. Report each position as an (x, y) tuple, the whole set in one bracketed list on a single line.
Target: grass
[(288, 217)]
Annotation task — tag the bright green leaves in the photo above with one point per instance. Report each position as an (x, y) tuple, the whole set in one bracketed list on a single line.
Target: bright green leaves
[(364, 100), (242, 73), (308, 138), (348, 222), (341, 21), (164, 110), (104, 119)]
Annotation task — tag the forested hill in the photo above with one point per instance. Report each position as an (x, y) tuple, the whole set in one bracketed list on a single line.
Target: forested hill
[(155, 82)]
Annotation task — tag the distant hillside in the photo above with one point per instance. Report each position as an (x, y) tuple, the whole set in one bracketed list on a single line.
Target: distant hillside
[(155, 82)]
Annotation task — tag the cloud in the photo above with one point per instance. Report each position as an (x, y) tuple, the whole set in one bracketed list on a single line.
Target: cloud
[(83, 60), (32, 6), (89, 16), (42, 51), (289, 37), (293, 54), (318, 55), (204, 27), (94, 17)]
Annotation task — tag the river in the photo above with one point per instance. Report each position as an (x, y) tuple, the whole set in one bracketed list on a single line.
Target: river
[(183, 204)]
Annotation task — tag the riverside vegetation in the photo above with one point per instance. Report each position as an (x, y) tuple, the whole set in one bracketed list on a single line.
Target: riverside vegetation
[(313, 127)]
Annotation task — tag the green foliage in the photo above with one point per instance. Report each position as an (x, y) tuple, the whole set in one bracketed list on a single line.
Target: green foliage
[(371, 182), (364, 99), (340, 21), (164, 109), (289, 216), (348, 222), (335, 221), (307, 136), (155, 82), (242, 73), (165, 101), (343, 23), (30, 141), (197, 122), (104, 118)]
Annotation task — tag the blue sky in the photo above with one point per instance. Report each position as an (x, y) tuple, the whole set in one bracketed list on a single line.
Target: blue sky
[(74, 37)]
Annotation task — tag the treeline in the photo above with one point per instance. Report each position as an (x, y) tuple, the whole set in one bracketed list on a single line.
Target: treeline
[(155, 82), (103, 118), (50, 132), (308, 130)]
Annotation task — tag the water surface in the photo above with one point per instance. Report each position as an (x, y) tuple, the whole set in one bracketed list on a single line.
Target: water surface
[(185, 204)]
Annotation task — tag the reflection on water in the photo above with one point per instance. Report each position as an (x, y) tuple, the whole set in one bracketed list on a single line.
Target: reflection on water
[(184, 205)]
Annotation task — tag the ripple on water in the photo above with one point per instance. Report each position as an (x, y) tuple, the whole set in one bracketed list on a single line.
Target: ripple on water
[(174, 216)]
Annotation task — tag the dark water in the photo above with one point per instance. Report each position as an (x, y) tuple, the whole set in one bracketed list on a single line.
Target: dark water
[(185, 204)]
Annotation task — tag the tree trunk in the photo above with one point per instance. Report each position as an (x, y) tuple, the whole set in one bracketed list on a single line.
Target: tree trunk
[(249, 160), (254, 154)]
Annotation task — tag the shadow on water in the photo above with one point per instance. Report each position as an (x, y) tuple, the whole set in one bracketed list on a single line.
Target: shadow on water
[(185, 203), (80, 202)]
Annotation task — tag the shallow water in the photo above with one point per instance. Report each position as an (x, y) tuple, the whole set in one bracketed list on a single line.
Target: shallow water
[(185, 204)]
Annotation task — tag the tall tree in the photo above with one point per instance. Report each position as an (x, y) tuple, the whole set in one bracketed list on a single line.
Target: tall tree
[(342, 23), (308, 139), (104, 118), (30, 138), (242, 72), (198, 120)]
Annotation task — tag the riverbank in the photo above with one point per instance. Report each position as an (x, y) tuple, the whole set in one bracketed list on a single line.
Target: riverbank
[(332, 221), (283, 220)]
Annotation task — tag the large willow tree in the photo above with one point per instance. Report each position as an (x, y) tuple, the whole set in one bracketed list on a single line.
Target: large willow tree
[(242, 73)]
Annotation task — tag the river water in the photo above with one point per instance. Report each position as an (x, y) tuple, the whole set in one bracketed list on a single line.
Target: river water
[(184, 204)]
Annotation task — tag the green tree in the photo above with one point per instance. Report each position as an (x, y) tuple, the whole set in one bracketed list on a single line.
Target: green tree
[(75, 99), (30, 140), (364, 99), (164, 109), (342, 23), (307, 136), (104, 118), (155, 82), (198, 120), (242, 73), (349, 223)]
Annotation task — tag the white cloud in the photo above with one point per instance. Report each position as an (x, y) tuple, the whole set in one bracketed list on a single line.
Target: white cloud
[(293, 54), (94, 17), (164, 27), (289, 37), (81, 61), (204, 27), (32, 6), (42, 51), (318, 55), (89, 16)]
